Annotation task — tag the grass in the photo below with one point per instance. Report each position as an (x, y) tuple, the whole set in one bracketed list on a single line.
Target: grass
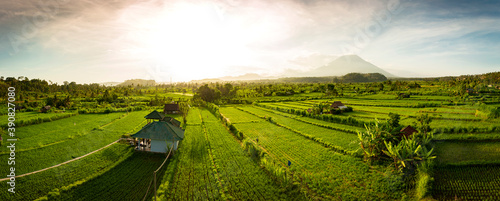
[(327, 173), (129, 180), (35, 136), (478, 182), (467, 152), (346, 141), (213, 166), (42, 157), (40, 184), (27, 116)]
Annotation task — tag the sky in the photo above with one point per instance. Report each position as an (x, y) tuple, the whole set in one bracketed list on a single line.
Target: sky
[(95, 41)]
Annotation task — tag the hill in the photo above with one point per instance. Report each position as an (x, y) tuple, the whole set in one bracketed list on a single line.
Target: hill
[(136, 82)]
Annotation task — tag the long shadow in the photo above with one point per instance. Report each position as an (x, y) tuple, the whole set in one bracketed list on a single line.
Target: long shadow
[(128, 180)]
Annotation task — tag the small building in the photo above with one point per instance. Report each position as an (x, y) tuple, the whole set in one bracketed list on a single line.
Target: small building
[(471, 91), (172, 108), (45, 108), (407, 131), (155, 115), (338, 105), (158, 136)]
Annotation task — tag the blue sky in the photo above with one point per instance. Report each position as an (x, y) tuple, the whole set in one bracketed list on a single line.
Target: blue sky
[(95, 41)]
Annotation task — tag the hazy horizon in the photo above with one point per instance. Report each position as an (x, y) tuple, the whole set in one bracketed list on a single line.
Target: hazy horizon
[(95, 42)]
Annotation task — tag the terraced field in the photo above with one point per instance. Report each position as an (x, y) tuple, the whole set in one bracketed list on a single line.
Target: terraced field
[(70, 140), (128, 180), (448, 119), (28, 118), (66, 176), (213, 166), (342, 140), (468, 145), (468, 152), (479, 182), (329, 174), (36, 136)]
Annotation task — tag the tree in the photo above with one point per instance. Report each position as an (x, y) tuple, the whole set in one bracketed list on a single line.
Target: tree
[(207, 94), (424, 120), (393, 120), (381, 87), (330, 90), (184, 109), (318, 108)]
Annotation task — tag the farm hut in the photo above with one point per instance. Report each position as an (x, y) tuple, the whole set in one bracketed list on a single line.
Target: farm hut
[(172, 108), (158, 136), (471, 91), (338, 105), (154, 115), (407, 131), (45, 108)]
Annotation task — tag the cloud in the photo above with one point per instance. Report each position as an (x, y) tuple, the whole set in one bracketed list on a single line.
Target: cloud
[(226, 37)]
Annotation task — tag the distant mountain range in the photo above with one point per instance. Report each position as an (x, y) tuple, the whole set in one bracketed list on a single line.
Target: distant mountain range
[(338, 67)]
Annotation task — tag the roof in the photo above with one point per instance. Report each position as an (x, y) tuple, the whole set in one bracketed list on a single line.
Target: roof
[(336, 104), (155, 115), (407, 131), (175, 122), (160, 130), (171, 107)]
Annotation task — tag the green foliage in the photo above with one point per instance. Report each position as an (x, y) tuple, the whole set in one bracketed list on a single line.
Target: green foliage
[(423, 184), (409, 153), (371, 141), (424, 121), (358, 77), (393, 120)]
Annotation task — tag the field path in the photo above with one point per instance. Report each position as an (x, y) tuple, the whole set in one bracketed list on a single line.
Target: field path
[(4, 179)]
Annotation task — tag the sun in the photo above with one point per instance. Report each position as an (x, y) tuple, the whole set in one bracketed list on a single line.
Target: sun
[(191, 41)]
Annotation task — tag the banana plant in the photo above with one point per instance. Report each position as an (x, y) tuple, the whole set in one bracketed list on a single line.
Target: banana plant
[(408, 153), (371, 141)]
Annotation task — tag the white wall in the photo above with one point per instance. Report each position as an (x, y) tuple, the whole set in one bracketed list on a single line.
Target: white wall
[(161, 145)]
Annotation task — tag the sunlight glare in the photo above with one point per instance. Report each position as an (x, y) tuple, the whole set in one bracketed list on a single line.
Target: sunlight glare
[(193, 42)]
